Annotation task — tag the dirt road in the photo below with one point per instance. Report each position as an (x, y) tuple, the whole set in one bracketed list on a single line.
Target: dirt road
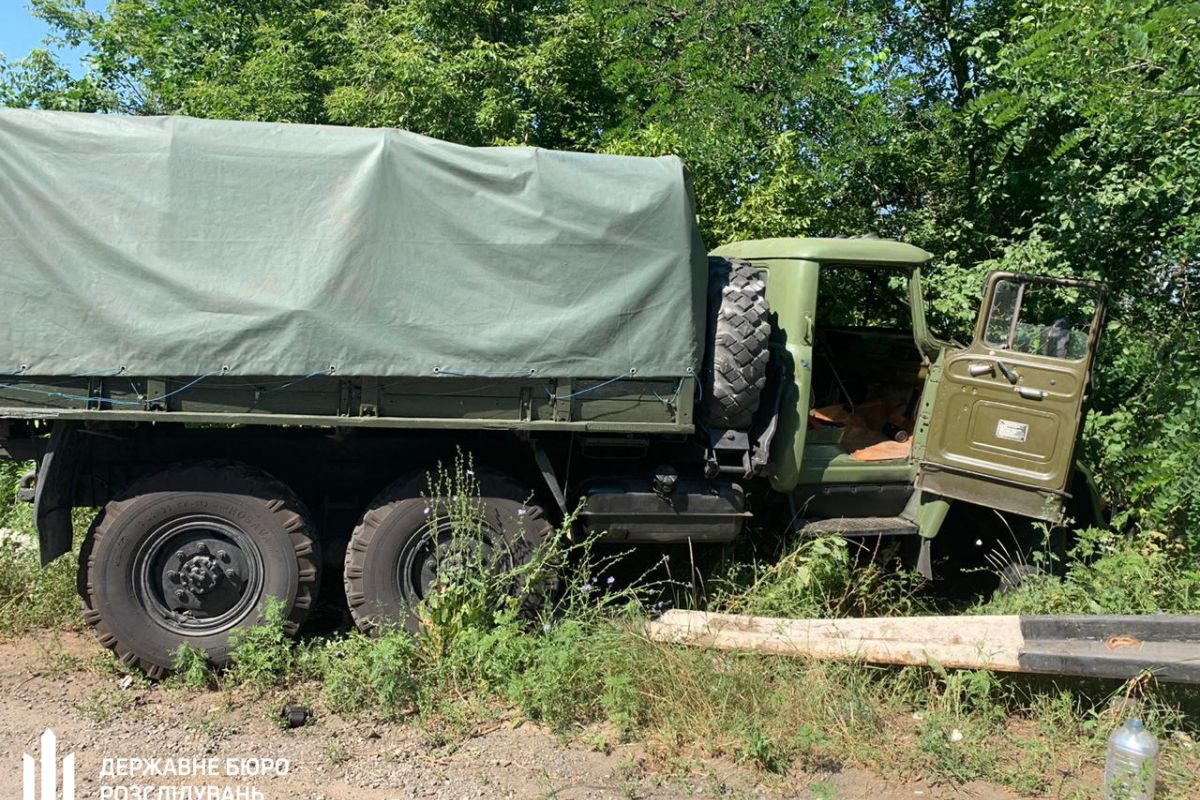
[(52, 681)]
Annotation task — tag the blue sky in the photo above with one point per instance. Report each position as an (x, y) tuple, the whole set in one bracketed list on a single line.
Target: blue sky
[(20, 32)]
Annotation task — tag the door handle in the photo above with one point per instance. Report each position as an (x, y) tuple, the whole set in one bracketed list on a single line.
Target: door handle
[(1009, 374), (1030, 393), (979, 369)]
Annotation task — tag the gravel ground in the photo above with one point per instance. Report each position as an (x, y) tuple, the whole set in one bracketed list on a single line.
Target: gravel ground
[(48, 681)]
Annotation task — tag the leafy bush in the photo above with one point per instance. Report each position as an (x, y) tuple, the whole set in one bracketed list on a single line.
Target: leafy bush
[(33, 597), (813, 577)]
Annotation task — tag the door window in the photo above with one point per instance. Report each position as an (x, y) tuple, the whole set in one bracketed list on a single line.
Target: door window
[(1038, 318)]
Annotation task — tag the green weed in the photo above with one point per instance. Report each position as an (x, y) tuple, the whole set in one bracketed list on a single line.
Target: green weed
[(1108, 573), (190, 669), (104, 704), (336, 752), (263, 655), (582, 666), (373, 675)]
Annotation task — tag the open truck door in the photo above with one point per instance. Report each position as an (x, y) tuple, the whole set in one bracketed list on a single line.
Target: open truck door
[(1008, 407)]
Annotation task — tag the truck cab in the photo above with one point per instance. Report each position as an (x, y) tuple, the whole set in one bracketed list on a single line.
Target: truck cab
[(882, 425)]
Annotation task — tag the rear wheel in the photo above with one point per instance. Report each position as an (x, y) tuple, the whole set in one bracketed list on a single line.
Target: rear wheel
[(190, 556), (404, 543)]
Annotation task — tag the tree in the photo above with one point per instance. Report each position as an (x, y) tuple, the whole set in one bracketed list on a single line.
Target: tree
[(1055, 136)]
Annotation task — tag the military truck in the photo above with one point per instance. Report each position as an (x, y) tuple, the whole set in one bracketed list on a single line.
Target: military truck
[(247, 344)]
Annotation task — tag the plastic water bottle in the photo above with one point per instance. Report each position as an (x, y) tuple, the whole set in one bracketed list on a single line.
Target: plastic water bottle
[(1129, 768)]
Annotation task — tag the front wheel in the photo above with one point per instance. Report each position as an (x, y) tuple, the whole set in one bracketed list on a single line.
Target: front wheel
[(191, 555)]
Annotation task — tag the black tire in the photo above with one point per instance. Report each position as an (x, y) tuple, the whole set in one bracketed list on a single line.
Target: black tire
[(197, 522), (736, 366), (398, 538)]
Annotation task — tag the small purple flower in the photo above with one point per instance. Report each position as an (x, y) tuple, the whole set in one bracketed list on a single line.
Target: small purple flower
[(470, 473), (611, 580), (520, 512), (688, 584), (585, 588), (427, 511), (547, 628)]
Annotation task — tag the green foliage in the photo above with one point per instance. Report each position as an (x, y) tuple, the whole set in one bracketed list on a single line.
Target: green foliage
[(262, 655), (564, 679), (190, 669), (368, 675), (30, 596), (800, 584), (14, 513), (468, 592), (1110, 574), (812, 577)]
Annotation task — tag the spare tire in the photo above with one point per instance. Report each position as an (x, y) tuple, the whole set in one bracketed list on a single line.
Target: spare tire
[(736, 365)]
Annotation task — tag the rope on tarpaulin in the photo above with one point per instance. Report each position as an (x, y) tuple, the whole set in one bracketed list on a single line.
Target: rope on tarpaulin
[(113, 400)]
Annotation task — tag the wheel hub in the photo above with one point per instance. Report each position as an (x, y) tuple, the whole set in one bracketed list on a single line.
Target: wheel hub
[(438, 557), (199, 574)]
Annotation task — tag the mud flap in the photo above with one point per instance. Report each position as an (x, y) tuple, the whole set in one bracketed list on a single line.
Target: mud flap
[(55, 493)]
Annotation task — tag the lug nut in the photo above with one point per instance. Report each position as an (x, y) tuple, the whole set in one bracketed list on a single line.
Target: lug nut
[(232, 574), (180, 594), (221, 554), (173, 576), (203, 549)]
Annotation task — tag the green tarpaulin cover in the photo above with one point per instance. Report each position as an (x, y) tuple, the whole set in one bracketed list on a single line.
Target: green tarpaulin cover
[(175, 246)]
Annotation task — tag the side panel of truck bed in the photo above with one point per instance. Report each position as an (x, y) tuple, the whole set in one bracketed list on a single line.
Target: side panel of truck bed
[(634, 405)]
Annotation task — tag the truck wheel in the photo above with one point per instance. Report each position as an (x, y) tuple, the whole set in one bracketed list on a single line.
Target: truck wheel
[(188, 556), (736, 367), (401, 543)]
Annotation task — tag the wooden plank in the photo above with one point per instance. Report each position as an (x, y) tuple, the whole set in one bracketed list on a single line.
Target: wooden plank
[(966, 642)]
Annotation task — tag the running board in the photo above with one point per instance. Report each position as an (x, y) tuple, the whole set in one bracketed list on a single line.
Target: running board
[(1120, 647), (859, 526)]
